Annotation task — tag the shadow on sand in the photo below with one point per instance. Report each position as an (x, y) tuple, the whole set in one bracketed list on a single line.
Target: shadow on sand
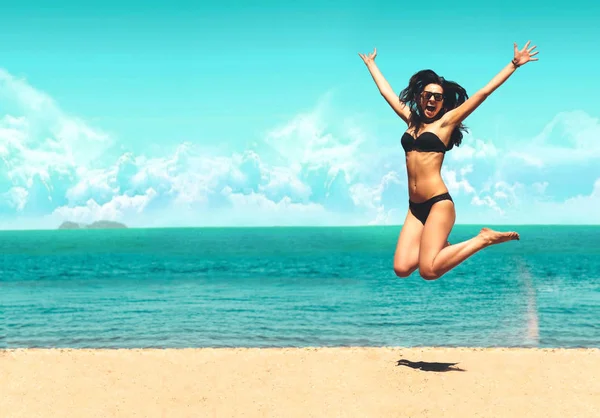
[(430, 366)]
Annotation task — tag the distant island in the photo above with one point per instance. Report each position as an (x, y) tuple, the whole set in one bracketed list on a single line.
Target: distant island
[(95, 225)]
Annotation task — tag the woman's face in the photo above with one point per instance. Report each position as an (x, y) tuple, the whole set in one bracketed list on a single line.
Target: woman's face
[(432, 100)]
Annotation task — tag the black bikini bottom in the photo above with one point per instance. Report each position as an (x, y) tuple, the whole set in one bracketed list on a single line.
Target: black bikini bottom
[(421, 210)]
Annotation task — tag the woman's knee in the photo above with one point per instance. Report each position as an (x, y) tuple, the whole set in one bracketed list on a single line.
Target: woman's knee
[(427, 272), (404, 269)]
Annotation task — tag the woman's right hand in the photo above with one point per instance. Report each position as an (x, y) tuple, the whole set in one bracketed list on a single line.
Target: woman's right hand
[(369, 58)]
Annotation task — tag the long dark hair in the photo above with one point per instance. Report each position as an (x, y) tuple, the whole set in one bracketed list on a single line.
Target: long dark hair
[(454, 96)]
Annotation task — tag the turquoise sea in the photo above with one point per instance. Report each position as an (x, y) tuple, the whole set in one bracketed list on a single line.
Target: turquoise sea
[(273, 287)]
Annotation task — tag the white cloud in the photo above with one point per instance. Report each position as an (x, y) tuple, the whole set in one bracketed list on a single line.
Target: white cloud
[(527, 159), (307, 140), (569, 138), (582, 208), (486, 201), (456, 185), (41, 148), (473, 148), (540, 187), (118, 208), (35, 129), (47, 172)]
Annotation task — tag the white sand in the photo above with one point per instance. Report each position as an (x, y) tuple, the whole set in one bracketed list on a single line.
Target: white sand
[(323, 382)]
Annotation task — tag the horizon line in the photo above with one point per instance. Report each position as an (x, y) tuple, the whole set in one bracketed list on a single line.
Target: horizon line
[(296, 226)]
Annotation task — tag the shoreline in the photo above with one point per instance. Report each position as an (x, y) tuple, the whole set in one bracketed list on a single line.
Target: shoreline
[(304, 381), (310, 348)]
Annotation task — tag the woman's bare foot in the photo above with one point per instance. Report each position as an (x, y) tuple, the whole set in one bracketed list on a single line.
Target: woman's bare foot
[(491, 237)]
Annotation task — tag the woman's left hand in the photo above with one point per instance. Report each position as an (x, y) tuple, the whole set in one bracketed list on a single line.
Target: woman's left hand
[(524, 55)]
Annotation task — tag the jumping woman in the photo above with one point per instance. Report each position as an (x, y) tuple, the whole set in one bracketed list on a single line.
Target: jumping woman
[(434, 110)]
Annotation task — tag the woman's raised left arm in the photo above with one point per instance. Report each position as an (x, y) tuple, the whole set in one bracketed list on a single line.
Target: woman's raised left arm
[(456, 116)]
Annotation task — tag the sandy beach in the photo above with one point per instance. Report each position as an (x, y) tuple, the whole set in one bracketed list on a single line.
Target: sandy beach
[(323, 382)]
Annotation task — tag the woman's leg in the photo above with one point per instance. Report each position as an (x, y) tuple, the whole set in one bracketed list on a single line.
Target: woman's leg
[(436, 257), (406, 257)]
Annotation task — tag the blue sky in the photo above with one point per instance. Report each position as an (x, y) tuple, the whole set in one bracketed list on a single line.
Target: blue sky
[(262, 113)]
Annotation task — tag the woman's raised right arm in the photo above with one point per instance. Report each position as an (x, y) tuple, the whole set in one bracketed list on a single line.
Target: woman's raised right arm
[(384, 87)]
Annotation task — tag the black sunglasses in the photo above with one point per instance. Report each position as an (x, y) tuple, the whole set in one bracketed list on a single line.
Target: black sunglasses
[(438, 97)]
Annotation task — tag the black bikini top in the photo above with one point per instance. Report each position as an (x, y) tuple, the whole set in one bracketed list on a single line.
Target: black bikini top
[(425, 142)]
